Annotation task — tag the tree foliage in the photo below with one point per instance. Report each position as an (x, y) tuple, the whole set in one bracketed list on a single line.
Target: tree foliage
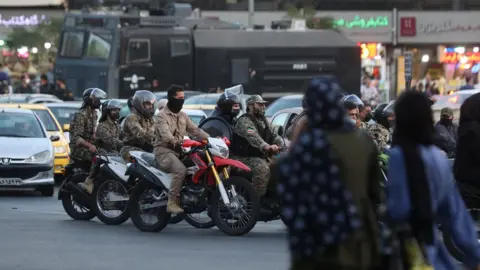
[(36, 37), (309, 15)]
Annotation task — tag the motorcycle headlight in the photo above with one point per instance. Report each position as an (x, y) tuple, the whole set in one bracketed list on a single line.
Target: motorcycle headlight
[(59, 149), (223, 152), (42, 157)]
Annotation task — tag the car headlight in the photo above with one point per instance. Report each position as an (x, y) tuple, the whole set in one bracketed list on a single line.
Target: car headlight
[(59, 149), (42, 157)]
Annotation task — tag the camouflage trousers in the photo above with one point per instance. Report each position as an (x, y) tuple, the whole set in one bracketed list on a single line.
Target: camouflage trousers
[(125, 152), (260, 173)]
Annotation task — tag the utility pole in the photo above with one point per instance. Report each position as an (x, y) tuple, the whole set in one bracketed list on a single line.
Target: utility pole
[(251, 13)]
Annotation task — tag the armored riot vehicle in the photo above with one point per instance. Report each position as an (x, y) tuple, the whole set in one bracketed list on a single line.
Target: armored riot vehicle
[(122, 53)]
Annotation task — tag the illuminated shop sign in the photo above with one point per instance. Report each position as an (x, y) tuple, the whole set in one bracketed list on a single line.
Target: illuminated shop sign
[(363, 22), (368, 50), (22, 20), (453, 57)]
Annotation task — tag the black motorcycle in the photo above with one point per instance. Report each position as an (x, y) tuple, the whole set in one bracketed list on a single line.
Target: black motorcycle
[(110, 195)]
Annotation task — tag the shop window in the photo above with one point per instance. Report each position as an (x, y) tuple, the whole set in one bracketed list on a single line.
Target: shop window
[(138, 50)]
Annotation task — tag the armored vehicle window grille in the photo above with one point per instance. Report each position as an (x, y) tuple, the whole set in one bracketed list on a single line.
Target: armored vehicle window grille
[(179, 47), (138, 50), (72, 44), (239, 68)]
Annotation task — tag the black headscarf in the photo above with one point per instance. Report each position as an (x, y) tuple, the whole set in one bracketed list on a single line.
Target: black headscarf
[(414, 128), (470, 116), (317, 208)]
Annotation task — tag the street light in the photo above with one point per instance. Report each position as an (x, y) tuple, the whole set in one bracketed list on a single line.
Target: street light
[(2, 42), (47, 45), (34, 50)]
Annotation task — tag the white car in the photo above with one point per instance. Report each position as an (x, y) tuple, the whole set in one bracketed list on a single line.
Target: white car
[(195, 115), (29, 98), (26, 155)]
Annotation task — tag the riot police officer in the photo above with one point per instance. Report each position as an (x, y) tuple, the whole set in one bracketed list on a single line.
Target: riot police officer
[(107, 136), (221, 120)]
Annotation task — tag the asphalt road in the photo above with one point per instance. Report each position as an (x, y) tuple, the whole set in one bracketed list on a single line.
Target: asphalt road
[(36, 234)]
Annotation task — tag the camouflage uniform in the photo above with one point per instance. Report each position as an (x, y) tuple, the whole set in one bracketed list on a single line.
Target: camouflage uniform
[(138, 134), (364, 126), (247, 128), (380, 135), (107, 137), (82, 127)]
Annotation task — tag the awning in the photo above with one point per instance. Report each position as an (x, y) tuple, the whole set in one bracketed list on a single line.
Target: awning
[(31, 3)]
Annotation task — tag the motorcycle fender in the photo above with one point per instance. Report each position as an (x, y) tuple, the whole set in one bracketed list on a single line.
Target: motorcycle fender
[(62, 192), (219, 162), (114, 171)]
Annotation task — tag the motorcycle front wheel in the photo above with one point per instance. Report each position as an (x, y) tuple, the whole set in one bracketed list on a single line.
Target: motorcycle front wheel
[(200, 222), (241, 216), (141, 205), (111, 200)]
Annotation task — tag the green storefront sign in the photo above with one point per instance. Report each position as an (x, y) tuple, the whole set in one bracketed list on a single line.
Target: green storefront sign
[(363, 22)]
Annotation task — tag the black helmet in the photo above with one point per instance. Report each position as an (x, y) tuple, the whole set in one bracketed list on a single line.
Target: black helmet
[(93, 96), (108, 106), (377, 113), (389, 109), (353, 99), (228, 99), (140, 98)]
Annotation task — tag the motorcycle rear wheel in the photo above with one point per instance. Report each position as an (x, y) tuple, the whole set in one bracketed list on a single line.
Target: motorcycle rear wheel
[(69, 203), (120, 219), (136, 213), (247, 191)]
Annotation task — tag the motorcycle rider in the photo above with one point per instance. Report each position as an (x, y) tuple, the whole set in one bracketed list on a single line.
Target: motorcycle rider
[(228, 107), (254, 141), (138, 132), (354, 106), (380, 129), (171, 126), (299, 124), (82, 132), (107, 136)]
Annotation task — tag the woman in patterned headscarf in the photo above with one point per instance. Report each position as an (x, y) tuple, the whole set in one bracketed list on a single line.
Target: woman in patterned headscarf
[(330, 188)]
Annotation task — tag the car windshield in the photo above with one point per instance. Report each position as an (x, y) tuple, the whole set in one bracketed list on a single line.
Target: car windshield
[(63, 114), (202, 99), (20, 125), (196, 118), (47, 120), (283, 103)]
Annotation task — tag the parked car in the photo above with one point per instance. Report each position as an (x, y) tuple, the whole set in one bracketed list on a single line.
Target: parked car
[(29, 98), (207, 102), (282, 120), (26, 156), (453, 101), (64, 112), (61, 148), (290, 101), (195, 115)]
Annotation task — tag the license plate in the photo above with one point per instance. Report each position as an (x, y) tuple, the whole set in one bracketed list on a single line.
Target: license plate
[(10, 182)]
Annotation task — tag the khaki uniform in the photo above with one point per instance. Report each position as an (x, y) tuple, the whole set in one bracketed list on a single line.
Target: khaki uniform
[(138, 134), (246, 128), (380, 135), (107, 137), (82, 128), (170, 128)]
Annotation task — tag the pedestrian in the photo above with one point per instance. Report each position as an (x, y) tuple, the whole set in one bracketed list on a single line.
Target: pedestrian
[(466, 166), (446, 133), (327, 172), (421, 188), (24, 87)]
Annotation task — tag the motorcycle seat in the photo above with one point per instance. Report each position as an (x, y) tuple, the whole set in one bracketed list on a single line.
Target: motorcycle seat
[(150, 159)]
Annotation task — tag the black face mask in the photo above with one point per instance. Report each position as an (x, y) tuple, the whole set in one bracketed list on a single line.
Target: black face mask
[(175, 105), (114, 115), (446, 121), (96, 104)]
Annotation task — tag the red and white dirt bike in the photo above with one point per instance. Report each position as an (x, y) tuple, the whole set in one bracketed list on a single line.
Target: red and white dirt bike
[(230, 201)]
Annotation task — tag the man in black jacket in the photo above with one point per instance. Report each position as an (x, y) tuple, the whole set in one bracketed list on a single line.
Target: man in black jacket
[(446, 132)]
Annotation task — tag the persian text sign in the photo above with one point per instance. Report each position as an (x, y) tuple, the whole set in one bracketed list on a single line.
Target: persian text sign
[(22, 20), (458, 27)]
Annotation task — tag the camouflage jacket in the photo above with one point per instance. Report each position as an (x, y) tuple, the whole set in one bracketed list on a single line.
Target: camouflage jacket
[(107, 136), (138, 131), (82, 128), (247, 130), (380, 135)]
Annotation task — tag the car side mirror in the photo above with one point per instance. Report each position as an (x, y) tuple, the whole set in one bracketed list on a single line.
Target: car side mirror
[(66, 127), (280, 131), (54, 138)]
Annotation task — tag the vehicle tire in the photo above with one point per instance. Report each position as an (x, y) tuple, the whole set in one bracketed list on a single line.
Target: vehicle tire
[(47, 191), (244, 189), (136, 213), (176, 218), (199, 224), (97, 192), (67, 202)]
